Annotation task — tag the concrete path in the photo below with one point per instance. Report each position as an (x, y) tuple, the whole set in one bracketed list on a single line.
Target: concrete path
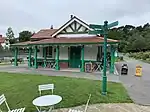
[(47, 71), (137, 87), (124, 107)]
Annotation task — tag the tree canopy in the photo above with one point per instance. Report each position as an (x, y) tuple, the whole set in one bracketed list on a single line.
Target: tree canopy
[(10, 35), (132, 39), (25, 36)]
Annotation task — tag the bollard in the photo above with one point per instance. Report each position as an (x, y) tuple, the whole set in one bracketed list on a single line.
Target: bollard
[(138, 71)]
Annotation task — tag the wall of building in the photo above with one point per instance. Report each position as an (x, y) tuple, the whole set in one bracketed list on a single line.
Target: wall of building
[(40, 53), (63, 53), (90, 52), (108, 48), (75, 35)]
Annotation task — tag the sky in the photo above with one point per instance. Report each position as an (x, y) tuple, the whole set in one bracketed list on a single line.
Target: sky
[(34, 15)]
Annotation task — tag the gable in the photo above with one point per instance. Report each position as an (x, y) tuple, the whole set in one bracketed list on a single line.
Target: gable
[(73, 26)]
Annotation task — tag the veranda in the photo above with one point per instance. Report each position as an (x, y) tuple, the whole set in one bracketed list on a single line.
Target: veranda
[(67, 53)]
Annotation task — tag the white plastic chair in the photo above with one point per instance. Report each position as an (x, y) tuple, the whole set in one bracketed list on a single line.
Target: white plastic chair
[(72, 110), (44, 87), (3, 100)]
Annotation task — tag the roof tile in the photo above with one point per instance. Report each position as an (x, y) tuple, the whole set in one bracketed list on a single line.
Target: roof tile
[(63, 40), (44, 33), (2, 39)]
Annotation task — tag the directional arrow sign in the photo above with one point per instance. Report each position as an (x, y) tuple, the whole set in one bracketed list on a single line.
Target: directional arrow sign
[(93, 26), (96, 32), (113, 24)]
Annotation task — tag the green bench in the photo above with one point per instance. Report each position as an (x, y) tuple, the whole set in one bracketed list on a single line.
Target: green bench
[(20, 60)]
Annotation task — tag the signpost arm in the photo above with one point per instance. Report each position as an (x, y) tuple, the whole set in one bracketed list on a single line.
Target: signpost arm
[(104, 83)]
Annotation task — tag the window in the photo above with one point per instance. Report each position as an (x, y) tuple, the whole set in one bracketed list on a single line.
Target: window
[(49, 51)]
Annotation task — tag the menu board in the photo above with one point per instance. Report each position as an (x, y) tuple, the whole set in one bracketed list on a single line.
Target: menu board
[(88, 67)]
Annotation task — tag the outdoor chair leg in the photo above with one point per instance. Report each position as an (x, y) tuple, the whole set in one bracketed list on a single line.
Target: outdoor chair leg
[(39, 110), (51, 108)]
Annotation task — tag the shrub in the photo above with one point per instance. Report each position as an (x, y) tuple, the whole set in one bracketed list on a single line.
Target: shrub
[(144, 57), (121, 58), (140, 55)]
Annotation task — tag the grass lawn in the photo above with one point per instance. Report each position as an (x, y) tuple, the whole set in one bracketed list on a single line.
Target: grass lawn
[(8, 63), (21, 89), (1, 64)]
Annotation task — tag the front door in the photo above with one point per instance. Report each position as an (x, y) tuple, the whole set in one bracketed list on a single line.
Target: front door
[(75, 56)]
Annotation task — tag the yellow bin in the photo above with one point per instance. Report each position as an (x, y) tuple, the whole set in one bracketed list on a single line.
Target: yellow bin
[(138, 71)]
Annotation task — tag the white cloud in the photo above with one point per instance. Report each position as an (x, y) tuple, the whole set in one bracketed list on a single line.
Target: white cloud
[(36, 14)]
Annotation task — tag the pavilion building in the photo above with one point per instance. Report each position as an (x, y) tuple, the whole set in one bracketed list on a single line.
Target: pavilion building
[(70, 46)]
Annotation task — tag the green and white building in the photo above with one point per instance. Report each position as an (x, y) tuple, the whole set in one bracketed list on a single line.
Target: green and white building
[(69, 46)]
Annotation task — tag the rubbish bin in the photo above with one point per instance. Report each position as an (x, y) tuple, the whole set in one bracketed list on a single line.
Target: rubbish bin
[(124, 69)]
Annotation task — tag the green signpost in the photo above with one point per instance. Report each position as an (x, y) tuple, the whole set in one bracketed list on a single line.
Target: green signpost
[(96, 32), (103, 30)]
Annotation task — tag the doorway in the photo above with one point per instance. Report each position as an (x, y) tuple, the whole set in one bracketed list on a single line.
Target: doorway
[(75, 57)]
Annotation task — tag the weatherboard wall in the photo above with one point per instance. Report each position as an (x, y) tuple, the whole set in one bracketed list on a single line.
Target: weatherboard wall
[(63, 53), (90, 52)]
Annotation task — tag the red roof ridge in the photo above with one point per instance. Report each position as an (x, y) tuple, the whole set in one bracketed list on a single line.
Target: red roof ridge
[(109, 39), (81, 37), (49, 29), (113, 40)]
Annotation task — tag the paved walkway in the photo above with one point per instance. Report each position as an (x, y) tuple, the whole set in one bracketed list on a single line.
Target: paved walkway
[(137, 87), (46, 71), (129, 107)]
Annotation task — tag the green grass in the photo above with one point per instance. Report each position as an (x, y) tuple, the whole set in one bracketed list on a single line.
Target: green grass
[(21, 89), (1, 64), (8, 63)]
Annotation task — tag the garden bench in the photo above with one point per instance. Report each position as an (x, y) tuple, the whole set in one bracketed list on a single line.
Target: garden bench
[(18, 60)]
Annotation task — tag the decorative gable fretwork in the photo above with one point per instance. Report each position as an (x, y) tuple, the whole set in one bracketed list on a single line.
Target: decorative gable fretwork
[(73, 26)]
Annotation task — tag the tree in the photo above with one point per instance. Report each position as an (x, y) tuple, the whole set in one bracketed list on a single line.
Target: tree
[(25, 36), (139, 44), (132, 39), (10, 35), (146, 26)]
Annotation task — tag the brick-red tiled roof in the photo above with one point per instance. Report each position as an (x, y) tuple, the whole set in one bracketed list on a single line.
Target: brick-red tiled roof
[(63, 40), (2, 39), (43, 34), (22, 43)]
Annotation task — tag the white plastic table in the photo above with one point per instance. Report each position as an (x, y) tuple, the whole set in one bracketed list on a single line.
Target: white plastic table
[(46, 100)]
